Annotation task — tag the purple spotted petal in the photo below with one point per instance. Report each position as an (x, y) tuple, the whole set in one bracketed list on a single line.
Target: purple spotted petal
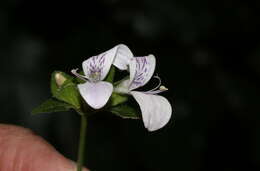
[(96, 67), (156, 110), (96, 94), (141, 71)]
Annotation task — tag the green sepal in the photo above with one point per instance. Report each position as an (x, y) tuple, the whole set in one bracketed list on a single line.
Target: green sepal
[(111, 74), (125, 111), (67, 91), (51, 105), (117, 99)]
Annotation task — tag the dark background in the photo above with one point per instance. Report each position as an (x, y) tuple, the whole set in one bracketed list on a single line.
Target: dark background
[(207, 55)]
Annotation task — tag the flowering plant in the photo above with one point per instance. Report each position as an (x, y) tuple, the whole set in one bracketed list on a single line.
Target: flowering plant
[(95, 90)]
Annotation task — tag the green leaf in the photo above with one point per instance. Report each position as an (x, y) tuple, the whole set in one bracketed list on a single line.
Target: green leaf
[(51, 105), (117, 99), (111, 74), (67, 91), (125, 111)]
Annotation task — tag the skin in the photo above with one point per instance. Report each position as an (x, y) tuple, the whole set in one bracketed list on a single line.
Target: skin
[(22, 150)]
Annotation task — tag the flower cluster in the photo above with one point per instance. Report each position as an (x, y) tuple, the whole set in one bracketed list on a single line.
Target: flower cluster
[(156, 110)]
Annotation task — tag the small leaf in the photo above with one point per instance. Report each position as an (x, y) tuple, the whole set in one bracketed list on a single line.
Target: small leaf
[(111, 74), (125, 111), (117, 99), (67, 92), (51, 105)]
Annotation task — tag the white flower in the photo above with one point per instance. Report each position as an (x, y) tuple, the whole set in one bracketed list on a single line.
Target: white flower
[(95, 91), (156, 110)]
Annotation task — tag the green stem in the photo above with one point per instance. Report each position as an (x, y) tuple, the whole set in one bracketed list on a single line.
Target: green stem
[(82, 140)]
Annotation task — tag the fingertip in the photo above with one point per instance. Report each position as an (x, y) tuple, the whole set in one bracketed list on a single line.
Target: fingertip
[(22, 150)]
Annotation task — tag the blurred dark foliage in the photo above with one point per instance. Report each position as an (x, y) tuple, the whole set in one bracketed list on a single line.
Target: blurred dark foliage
[(207, 55)]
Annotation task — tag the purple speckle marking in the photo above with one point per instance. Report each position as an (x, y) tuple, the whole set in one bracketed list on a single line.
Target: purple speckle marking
[(142, 67), (96, 64)]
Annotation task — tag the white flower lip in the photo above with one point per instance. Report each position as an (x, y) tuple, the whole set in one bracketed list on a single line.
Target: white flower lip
[(96, 94)]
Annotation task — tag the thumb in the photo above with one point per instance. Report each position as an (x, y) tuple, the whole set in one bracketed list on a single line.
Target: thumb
[(21, 150)]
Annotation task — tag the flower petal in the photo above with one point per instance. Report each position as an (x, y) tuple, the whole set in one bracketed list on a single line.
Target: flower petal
[(96, 94), (141, 70), (122, 87), (97, 67), (156, 110), (123, 57)]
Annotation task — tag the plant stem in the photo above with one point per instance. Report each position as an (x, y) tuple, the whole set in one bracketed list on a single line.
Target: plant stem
[(82, 140)]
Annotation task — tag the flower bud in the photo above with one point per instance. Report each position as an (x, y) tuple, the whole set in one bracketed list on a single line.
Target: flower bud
[(60, 79)]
